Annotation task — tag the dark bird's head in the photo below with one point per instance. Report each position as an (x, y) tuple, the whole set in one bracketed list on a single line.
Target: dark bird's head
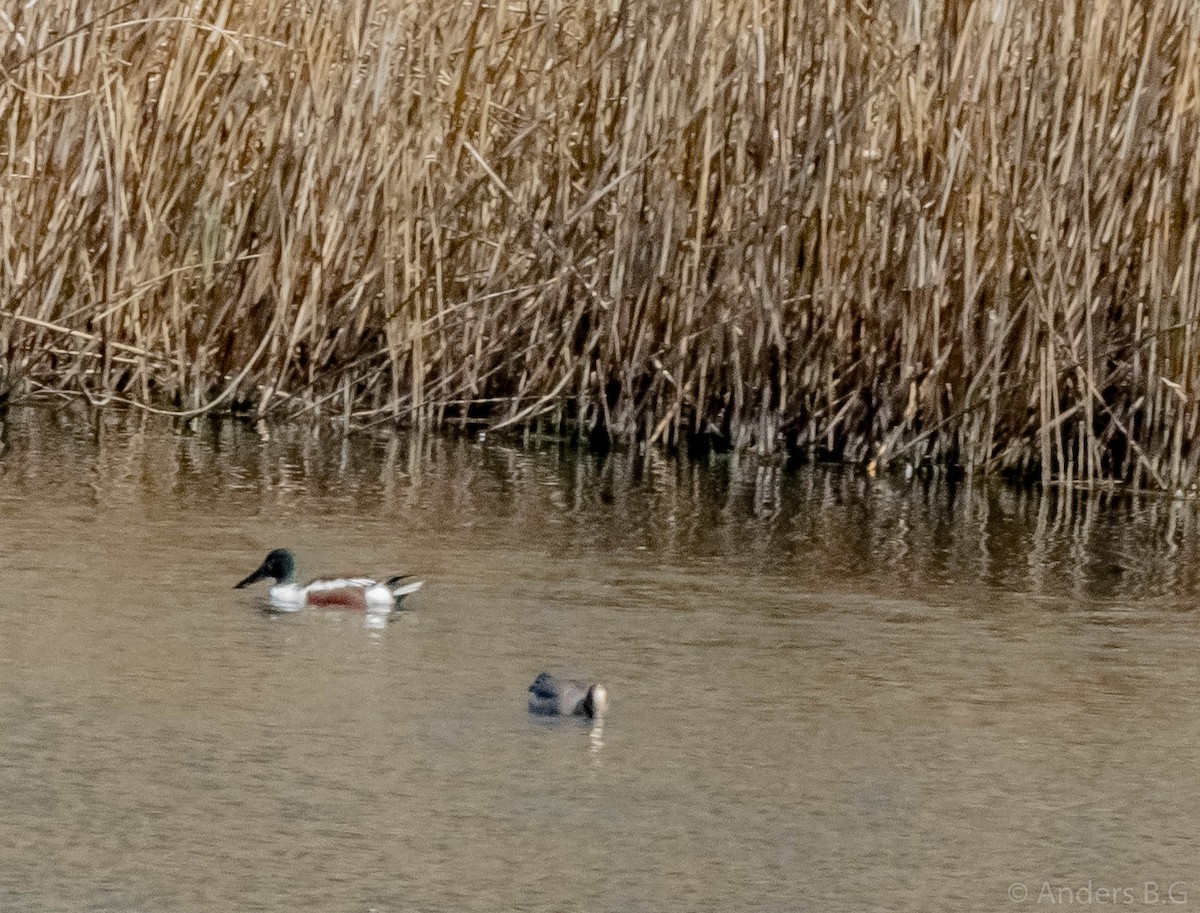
[(544, 685), (279, 564)]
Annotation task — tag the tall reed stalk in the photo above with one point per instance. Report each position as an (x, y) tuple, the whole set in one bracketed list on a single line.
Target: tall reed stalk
[(958, 232)]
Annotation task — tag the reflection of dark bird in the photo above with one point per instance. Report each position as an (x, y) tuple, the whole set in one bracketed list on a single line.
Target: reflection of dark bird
[(550, 696)]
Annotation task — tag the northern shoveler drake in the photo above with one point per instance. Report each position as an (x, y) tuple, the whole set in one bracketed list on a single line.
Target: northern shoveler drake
[(337, 592), (550, 696)]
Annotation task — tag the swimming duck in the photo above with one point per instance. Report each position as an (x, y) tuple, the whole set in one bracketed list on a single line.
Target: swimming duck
[(338, 592), (550, 696)]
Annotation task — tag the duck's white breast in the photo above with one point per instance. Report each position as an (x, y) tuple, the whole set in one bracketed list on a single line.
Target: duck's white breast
[(288, 595)]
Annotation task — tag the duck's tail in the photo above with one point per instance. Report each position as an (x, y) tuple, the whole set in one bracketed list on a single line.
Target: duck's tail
[(400, 590)]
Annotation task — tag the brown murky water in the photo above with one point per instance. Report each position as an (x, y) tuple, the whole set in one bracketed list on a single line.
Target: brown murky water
[(829, 692)]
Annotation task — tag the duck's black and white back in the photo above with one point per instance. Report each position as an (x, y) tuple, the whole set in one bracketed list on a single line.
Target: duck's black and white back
[(551, 696)]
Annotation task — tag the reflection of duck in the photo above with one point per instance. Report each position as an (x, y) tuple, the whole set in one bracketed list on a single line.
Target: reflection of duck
[(339, 592), (550, 696)]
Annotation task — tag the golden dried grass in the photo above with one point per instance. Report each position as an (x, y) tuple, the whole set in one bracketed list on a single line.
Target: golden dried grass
[(959, 232)]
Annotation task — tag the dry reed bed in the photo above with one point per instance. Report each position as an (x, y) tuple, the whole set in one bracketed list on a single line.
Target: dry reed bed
[(964, 232)]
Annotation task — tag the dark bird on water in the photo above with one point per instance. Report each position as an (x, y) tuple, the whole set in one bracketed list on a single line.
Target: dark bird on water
[(550, 696)]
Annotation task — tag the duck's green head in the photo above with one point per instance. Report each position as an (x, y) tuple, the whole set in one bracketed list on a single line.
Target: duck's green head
[(279, 564)]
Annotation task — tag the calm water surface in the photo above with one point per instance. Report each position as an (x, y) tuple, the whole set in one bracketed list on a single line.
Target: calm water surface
[(829, 692)]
